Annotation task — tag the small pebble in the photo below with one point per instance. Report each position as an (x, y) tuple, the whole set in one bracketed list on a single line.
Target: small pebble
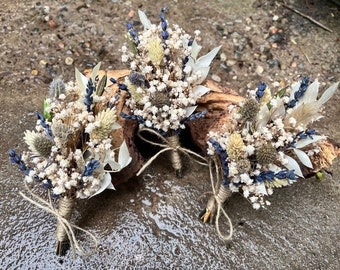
[(131, 13), (223, 57), (52, 23), (259, 70), (275, 18), (216, 78), (235, 78), (34, 72), (42, 63), (293, 65), (69, 61), (231, 63), (273, 30)]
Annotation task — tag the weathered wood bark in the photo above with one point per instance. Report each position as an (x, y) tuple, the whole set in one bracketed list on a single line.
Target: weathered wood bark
[(216, 102)]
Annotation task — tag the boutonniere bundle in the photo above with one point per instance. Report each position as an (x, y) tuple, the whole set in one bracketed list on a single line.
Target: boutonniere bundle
[(165, 81), (70, 152), (266, 142)]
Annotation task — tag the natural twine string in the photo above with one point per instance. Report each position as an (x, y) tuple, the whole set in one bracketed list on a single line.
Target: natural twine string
[(219, 198), (170, 144), (67, 227)]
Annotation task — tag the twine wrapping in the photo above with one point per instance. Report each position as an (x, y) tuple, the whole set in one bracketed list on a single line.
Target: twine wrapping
[(63, 222), (170, 144), (65, 210), (215, 205)]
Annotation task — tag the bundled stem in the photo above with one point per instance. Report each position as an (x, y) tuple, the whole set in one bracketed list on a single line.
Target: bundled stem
[(65, 230), (174, 155), (215, 205), (66, 206), (170, 144)]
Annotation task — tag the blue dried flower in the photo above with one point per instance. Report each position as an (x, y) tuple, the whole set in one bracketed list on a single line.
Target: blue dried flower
[(17, 159), (90, 167), (90, 88)]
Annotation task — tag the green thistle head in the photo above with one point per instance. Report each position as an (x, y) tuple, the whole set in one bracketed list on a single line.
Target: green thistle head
[(250, 109), (266, 154), (39, 144), (243, 166)]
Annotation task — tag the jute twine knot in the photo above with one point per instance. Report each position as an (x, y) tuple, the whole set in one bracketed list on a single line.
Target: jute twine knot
[(65, 229), (170, 144), (215, 205)]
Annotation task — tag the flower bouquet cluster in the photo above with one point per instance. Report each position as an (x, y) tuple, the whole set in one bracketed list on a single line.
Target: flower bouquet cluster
[(70, 152), (165, 80), (266, 142)]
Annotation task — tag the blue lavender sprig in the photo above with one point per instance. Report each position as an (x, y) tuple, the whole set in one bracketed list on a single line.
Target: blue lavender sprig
[(299, 94), (270, 175), (90, 88), (260, 90), (43, 123), (90, 167), (17, 159), (308, 133), (137, 118), (164, 25), (121, 87), (223, 155), (194, 116), (133, 33)]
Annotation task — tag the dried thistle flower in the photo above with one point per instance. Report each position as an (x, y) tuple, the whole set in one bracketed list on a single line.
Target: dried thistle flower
[(62, 132), (266, 154), (250, 109), (38, 143), (235, 146), (160, 99), (243, 166)]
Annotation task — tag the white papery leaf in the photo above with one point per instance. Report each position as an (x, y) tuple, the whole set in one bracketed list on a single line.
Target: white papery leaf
[(200, 90), (295, 87), (124, 157), (195, 49), (328, 94), (261, 189), (311, 93), (204, 73), (279, 110), (95, 71), (115, 166), (106, 184), (81, 80), (293, 165), (304, 142), (263, 117), (144, 20), (205, 60), (303, 157), (190, 110)]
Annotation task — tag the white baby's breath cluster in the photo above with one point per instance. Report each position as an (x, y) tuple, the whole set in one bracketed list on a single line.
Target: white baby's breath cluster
[(267, 139), (71, 138), (166, 75)]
